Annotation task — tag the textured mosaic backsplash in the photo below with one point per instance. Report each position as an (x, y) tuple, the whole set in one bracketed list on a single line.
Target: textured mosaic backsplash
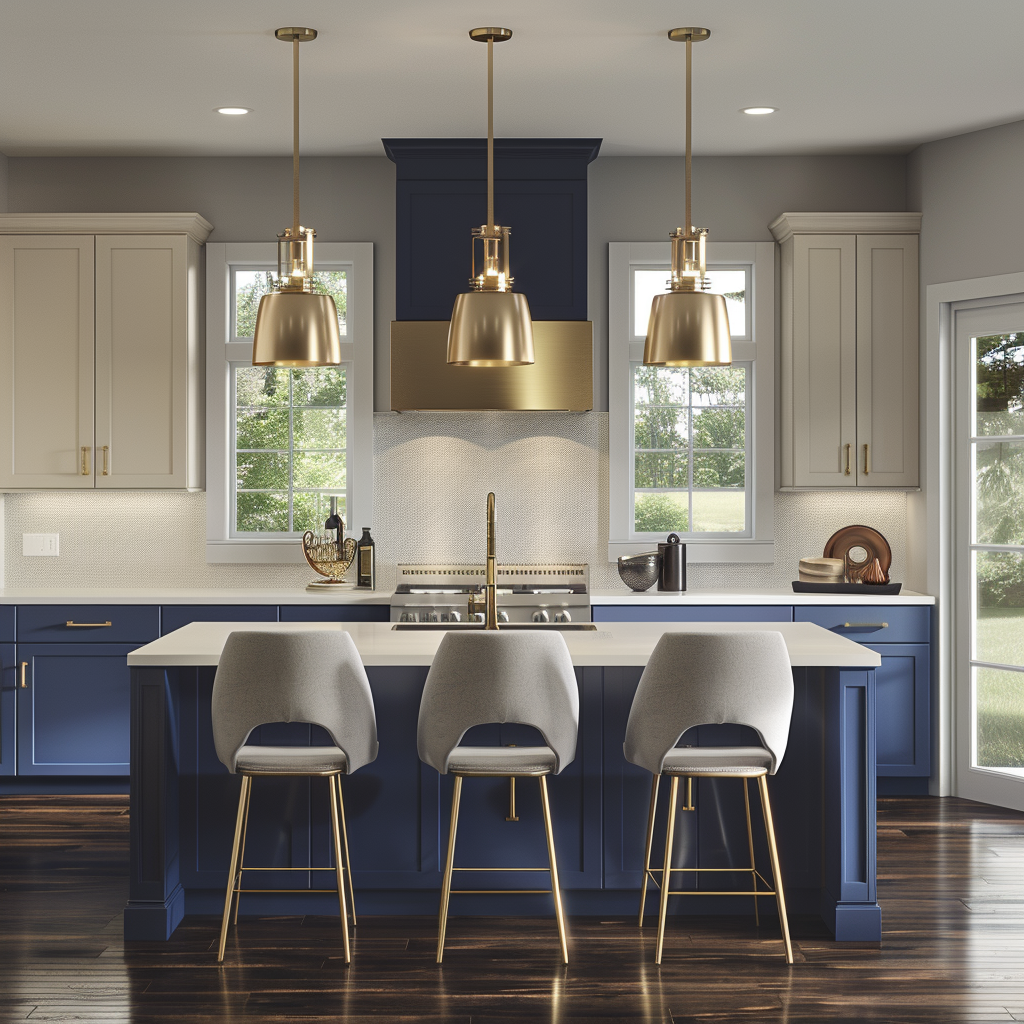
[(432, 473)]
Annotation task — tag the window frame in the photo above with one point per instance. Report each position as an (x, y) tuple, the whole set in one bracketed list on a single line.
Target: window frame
[(223, 350), (756, 348)]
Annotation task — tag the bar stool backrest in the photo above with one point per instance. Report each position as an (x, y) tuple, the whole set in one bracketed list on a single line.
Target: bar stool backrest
[(743, 678), (495, 676), (316, 677)]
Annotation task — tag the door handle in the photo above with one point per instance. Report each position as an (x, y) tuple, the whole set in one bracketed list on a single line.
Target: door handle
[(24, 670), (106, 459), (867, 459), (865, 625), (847, 447), (85, 625), (85, 461)]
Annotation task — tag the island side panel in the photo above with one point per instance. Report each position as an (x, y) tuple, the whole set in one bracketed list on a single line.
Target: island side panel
[(156, 899), (849, 895)]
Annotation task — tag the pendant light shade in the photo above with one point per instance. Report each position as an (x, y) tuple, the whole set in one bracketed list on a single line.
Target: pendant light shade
[(491, 325), (688, 326), (294, 325)]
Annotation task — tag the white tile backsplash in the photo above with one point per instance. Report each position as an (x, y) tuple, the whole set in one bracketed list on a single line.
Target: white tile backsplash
[(432, 472)]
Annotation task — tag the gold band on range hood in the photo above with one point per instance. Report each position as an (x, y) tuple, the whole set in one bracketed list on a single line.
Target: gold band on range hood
[(559, 380)]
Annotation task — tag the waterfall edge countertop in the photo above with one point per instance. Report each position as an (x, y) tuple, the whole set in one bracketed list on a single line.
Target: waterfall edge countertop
[(612, 644)]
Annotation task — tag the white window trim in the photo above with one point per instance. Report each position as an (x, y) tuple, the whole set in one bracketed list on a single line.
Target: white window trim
[(623, 348), (222, 351)]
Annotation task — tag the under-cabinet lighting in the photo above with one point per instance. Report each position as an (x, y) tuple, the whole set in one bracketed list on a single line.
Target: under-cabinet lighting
[(234, 111), (759, 110)]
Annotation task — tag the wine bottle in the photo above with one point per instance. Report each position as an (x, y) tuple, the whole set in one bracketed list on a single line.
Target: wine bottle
[(366, 572)]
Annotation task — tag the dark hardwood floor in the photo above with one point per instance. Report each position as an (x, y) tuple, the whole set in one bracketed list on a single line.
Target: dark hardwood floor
[(951, 880)]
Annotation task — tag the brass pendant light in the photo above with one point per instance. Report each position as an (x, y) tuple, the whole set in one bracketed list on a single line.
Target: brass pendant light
[(294, 326), (491, 325), (688, 326)]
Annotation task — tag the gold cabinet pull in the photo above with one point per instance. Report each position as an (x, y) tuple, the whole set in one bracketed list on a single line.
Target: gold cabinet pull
[(85, 460), (847, 447), (82, 625), (106, 459), (867, 459), (865, 625), (24, 670)]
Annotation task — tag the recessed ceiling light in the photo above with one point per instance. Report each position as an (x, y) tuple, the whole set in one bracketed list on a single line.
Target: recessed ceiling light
[(759, 110), (234, 111)]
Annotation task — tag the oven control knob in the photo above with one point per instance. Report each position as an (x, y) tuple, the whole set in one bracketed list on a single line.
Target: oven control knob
[(563, 616), (430, 617), (541, 616), (502, 616), (454, 616), (477, 617)]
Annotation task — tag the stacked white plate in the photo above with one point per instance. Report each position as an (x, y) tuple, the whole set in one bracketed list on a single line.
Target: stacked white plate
[(822, 570)]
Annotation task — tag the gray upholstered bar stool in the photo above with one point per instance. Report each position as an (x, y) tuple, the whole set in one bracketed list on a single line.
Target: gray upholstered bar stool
[(742, 678), (481, 678), (315, 677)]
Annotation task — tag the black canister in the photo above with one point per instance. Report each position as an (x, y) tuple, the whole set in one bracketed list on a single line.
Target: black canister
[(672, 556)]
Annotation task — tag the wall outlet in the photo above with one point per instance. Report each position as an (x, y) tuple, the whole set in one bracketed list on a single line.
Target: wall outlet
[(40, 543)]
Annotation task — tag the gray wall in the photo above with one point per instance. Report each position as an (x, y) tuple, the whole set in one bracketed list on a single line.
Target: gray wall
[(353, 199), (640, 199), (969, 189), (3, 183), (247, 199)]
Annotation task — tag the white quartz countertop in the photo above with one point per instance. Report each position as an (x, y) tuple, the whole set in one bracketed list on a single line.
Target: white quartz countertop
[(754, 595), (612, 644), (342, 594), (348, 594)]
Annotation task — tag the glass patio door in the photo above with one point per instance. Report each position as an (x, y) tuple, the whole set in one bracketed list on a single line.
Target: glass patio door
[(989, 517)]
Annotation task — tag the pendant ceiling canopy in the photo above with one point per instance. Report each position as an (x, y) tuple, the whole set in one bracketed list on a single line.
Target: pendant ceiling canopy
[(491, 325), (294, 325), (689, 326)]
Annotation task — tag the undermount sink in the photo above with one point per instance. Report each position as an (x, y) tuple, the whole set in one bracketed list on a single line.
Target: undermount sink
[(564, 626)]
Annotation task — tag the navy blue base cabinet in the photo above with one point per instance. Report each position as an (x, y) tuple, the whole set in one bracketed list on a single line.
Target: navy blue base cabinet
[(8, 707)]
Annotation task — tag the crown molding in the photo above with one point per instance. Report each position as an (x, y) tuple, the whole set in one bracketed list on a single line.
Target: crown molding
[(191, 224), (895, 223)]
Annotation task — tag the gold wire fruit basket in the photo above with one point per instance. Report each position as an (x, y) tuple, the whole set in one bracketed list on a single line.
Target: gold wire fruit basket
[(330, 557)]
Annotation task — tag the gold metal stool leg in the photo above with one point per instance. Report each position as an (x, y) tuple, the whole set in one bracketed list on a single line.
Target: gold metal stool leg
[(655, 779), (338, 867), (666, 873), (750, 843), (241, 856), (446, 886), (243, 798), (766, 807), (348, 859), (555, 890)]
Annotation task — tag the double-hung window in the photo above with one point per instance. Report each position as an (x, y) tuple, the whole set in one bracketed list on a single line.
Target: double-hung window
[(691, 449), (282, 442)]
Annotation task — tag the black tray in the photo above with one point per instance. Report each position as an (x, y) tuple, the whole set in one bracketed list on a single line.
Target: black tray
[(864, 589)]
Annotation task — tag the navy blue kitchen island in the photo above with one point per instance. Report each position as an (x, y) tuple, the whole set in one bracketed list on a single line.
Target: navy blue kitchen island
[(183, 800)]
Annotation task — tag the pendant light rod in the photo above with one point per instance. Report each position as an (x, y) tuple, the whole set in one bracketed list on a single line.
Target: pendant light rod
[(490, 134), (689, 36), (295, 136), (490, 36), (295, 36)]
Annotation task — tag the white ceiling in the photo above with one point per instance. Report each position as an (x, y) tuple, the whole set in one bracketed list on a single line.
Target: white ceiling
[(142, 77)]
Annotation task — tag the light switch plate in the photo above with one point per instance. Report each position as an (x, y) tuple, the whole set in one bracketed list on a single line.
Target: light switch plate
[(40, 543)]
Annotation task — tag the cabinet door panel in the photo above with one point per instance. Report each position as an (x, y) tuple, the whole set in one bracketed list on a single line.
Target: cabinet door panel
[(174, 616), (335, 613), (46, 361), (8, 701), (141, 360), (824, 359), (692, 613), (73, 717), (887, 360), (903, 710)]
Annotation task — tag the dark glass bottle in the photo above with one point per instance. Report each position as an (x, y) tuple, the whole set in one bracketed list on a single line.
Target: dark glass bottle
[(335, 522), (366, 568)]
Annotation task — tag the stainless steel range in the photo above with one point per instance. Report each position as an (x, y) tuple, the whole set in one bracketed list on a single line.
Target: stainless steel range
[(525, 594)]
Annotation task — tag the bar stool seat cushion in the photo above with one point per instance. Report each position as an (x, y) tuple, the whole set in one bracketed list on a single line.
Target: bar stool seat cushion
[(301, 760), (503, 760), (734, 760)]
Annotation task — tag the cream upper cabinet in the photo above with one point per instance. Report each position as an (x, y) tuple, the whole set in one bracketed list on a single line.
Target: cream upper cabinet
[(102, 335), (848, 401)]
